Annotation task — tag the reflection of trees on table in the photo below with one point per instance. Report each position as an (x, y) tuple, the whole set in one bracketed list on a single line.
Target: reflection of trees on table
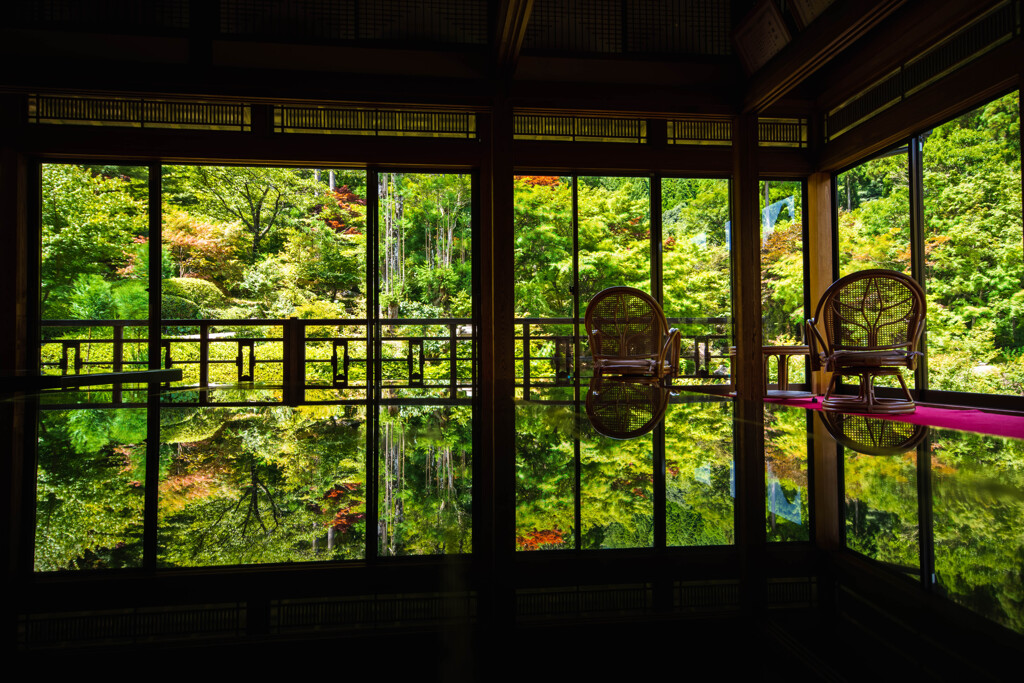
[(700, 483), (881, 508), (978, 512), (266, 484), (787, 502), (425, 480)]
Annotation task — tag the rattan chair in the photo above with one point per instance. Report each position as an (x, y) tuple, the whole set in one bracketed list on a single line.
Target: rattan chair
[(629, 335), (872, 321)]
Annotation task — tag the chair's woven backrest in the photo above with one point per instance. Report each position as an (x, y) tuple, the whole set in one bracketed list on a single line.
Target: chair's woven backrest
[(623, 322), (873, 436), (873, 310), (624, 409)]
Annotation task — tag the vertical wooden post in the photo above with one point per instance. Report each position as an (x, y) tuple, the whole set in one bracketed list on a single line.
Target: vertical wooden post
[(821, 274), (118, 337), (820, 250), (917, 236), (293, 370), (494, 523), (154, 345), (19, 353), (749, 364)]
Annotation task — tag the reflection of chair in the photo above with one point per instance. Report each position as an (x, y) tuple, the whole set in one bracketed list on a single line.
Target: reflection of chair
[(873, 436), (629, 335), (625, 408), (872, 321)]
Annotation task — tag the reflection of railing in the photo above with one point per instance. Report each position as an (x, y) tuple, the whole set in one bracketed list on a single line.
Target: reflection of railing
[(546, 349), (437, 354)]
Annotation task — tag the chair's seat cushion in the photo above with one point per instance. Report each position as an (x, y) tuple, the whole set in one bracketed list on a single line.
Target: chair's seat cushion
[(627, 365), (870, 359)]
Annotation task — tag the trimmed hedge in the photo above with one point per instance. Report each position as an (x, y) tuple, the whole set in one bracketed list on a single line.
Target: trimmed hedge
[(200, 292), (176, 307)]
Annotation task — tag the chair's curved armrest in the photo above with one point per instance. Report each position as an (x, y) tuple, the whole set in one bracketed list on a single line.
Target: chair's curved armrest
[(670, 350), (815, 342)]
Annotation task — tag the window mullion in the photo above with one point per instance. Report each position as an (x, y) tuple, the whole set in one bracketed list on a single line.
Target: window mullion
[(917, 241), (155, 204)]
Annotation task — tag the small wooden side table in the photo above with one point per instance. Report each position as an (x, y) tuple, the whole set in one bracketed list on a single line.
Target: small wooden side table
[(783, 353)]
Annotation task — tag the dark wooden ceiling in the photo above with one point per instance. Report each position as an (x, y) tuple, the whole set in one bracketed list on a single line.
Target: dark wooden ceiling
[(598, 55)]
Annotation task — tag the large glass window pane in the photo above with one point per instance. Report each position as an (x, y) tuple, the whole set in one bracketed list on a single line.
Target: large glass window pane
[(94, 305), (974, 263), (544, 276), (873, 201), (263, 244), (93, 269), (697, 271), (424, 283), (782, 262)]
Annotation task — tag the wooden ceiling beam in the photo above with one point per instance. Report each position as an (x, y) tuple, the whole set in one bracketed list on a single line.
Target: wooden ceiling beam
[(513, 18), (911, 30), (973, 85), (839, 27)]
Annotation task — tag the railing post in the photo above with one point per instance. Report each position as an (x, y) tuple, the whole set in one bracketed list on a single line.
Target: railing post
[(453, 364), (526, 361), (204, 361), (118, 334), (293, 350)]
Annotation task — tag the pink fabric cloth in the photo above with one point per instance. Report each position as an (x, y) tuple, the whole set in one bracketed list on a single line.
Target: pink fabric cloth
[(970, 420)]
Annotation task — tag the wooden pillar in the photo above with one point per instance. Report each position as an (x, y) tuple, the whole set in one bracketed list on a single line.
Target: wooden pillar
[(495, 531), (17, 417), (749, 365), (820, 236), (820, 250)]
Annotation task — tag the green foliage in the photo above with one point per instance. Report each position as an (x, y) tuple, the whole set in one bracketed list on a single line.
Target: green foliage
[(89, 225), (207, 250), (176, 307), (264, 201), (89, 495), (543, 247), (200, 292), (325, 262)]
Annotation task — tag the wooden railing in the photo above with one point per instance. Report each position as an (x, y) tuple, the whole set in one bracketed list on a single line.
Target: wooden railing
[(436, 354), (546, 357)]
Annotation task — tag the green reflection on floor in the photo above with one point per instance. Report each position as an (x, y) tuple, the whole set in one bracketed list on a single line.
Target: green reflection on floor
[(89, 489), (699, 474), (881, 508), (978, 513), (425, 483), (787, 515), (251, 485), (545, 475)]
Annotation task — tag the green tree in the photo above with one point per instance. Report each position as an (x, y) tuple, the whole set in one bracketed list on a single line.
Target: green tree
[(262, 200), (90, 224)]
